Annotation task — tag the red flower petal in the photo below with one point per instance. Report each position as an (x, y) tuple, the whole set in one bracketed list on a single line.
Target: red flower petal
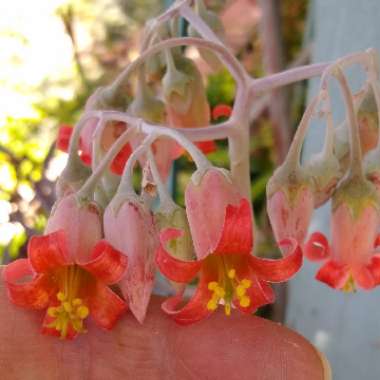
[(170, 267), (317, 247), (106, 263), (206, 146), (374, 268), (333, 274), (221, 110), (260, 294), (25, 288), (196, 308), (278, 270), (118, 163), (48, 252), (63, 138), (105, 306), (237, 233)]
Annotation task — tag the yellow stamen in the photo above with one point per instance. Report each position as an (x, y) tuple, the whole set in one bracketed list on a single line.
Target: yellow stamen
[(349, 286), (231, 273), (220, 292), (212, 285), (227, 309), (82, 312), (212, 305), (240, 291), (246, 283), (245, 301)]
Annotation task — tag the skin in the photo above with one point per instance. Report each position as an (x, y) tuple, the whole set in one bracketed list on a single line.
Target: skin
[(238, 347)]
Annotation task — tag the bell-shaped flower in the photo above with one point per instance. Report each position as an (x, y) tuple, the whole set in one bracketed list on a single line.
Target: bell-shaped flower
[(350, 259), (68, 272), (221, 224), (130, 229), (186, 100)]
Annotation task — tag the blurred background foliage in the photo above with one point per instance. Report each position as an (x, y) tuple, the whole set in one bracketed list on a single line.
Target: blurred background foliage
[(53, 54)]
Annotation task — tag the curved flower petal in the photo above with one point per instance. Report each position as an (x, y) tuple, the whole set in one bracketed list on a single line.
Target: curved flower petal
[(48, 252), (221, 110), (118, 163), (317, 247), (333, 274), (278, 270), (195, 310), (206, 146), (260, 294), (374, 268), (237, 235), (64, 136), (106, 263), (105, 306), (25, 288), (363, 278), (170, 267)]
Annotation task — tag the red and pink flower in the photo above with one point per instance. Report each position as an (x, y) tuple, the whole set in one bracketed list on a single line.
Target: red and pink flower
[(68, 272), (221, 224)]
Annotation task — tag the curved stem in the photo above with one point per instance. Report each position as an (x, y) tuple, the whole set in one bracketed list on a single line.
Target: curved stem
[(126, 185), (355, 149), (89, 186), (294, 153), (166, 201)]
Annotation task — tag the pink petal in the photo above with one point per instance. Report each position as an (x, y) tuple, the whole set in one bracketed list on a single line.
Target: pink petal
[(237, 233), (138, 242), (278, 270), (172, 268), (206, 205), (106, 307), (363, 278), (317, 247), (25, 288), (290, 219), (81, 224), (48, 252), (106, 263), (333, 274)]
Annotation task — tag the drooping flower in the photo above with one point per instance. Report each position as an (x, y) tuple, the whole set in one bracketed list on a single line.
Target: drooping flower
[(228, 272), (130, 229), (111, 132), (350, 260), (68, 272)]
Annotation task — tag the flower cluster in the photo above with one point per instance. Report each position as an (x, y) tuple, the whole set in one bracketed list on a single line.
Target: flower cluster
[(104, 242)]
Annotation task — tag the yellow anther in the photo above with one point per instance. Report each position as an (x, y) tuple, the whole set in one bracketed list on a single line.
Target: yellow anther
[(61, 296), (52, 311), (82, 312), (245, 301), (231, 273), (246, 283), (212, 305), (220, 292), (77, 302), (240, 291), (212, 285), (67, 307), (227, 309)]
